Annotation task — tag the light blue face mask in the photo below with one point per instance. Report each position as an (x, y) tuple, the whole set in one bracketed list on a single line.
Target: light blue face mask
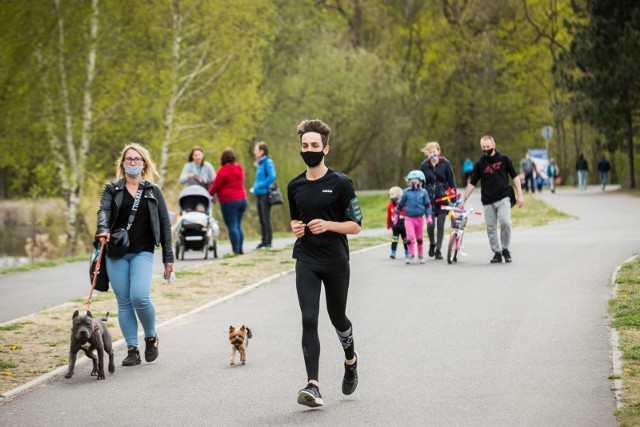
[(133, 170), (434, 156)]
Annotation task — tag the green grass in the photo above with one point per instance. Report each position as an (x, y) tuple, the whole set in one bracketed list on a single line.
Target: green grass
[(374, 209), (14, 326), (45, 263), (625, 312), (7, 365)]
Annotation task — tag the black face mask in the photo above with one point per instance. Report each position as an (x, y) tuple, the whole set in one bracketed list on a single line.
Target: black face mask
[(312, 158), (488, 153)]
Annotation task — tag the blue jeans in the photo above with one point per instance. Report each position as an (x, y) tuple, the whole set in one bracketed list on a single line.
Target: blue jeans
[(232, 213), (130, 278), (582, 179), (603, 179)]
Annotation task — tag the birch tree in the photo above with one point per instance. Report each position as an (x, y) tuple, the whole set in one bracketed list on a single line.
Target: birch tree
[(193, 70), (69, 148)]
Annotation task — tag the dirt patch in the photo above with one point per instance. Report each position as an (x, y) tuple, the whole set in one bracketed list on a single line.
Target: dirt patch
[(40, 343)]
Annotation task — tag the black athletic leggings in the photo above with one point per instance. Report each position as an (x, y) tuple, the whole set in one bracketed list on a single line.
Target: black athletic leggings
[(438, 221), (336, 287)]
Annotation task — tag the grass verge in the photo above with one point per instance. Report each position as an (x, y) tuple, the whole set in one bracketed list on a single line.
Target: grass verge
[(624, 308)]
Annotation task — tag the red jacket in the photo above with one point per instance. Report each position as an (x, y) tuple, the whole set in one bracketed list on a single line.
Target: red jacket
[(391, 209), (229, 183)]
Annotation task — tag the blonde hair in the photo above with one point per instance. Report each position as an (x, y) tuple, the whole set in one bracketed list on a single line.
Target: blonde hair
[(395, 191), (148, 171), (432, 145)]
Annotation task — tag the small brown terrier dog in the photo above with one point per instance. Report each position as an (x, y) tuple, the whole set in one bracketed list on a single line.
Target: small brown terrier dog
[(239, 339)]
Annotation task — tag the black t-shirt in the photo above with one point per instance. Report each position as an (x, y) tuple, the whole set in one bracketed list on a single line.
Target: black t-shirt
[(494, 173), (140, 234), (325, 198)]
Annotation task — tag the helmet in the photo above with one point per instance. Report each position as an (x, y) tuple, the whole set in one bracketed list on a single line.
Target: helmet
[(416, 174)]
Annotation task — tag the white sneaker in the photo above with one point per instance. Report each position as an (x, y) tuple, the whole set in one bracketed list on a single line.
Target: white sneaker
[(409, 259), (421, 259)]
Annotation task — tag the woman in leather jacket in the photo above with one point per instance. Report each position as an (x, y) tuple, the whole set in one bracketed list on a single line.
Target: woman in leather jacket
[(131, 273)]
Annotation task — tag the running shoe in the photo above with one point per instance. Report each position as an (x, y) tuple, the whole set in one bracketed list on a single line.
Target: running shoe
[(350, 379), (310, 396)]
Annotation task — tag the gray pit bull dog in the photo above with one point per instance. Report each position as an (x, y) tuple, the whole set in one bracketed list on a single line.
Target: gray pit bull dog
[(88, 334)]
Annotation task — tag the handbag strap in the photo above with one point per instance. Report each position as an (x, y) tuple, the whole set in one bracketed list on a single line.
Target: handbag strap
[(136, 203)]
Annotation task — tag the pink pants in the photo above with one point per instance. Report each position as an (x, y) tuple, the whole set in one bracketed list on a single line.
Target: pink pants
[(414, 226)]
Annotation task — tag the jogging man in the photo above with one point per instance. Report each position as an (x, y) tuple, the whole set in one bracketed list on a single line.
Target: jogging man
[(493, 170), (324, 209)]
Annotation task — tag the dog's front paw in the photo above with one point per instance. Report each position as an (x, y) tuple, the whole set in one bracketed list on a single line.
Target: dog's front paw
[(69, 375), (101, 376), (94, 373)]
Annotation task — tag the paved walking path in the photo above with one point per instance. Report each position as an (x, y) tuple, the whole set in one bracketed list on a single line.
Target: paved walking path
[(473, 343)]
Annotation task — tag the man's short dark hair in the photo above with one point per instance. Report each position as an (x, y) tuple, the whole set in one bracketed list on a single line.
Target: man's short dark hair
[(317, 126), (228, 156)]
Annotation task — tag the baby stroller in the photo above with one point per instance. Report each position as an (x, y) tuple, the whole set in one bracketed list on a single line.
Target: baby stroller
[(195, 229)]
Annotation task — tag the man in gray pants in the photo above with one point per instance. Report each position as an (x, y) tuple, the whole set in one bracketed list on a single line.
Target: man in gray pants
[(493, 169)]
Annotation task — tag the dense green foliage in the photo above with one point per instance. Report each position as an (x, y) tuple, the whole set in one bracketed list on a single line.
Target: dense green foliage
[(600, 69), (387, 76)]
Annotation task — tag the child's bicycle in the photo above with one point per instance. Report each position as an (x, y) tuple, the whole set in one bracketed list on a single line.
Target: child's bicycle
[(459, 219)]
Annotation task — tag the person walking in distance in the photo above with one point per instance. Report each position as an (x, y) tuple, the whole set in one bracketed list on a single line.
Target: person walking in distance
[(415, 201), (133, 202), (197, 171), (553, 172), (493, 169), (396, 223), (265, 176), (582, 168), (603, 167), (324, 209), (528, 170), (439, 178), (467, 170), (229, 187)]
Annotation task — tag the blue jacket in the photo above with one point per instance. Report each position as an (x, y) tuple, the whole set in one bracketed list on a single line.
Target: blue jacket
[(265, 175), (415, 202)]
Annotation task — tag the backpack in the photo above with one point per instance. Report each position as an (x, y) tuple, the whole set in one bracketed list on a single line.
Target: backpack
[(527, 165)]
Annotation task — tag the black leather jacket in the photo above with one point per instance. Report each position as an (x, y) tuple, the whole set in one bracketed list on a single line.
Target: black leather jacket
[(111, 200)]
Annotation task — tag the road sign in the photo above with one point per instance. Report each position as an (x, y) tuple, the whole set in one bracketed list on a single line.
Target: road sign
[(547, 132)]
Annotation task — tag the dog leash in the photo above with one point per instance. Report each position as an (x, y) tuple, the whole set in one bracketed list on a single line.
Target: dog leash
[(95, 274)]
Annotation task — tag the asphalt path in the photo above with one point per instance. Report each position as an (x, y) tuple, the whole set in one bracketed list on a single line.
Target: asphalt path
[(472, 343)]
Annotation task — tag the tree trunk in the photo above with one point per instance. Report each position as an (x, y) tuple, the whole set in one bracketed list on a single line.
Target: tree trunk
[(173, 95), (73, 168), (629, 137)]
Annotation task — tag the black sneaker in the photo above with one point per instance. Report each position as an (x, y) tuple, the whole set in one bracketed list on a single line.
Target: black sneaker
[(310, 396), (350, 379), (506, 255), (438, 255), (497, 258), (151, 348), (432, 249), (133, 357), (260, 246)]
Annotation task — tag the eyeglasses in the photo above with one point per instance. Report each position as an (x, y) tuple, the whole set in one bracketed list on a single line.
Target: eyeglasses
[(133, 159)]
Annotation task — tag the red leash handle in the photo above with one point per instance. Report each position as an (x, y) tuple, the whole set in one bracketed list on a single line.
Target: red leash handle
[(95, 274)]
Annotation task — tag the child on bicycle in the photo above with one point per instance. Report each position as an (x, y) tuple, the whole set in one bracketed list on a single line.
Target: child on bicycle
[(396, 224), (415, 201)]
